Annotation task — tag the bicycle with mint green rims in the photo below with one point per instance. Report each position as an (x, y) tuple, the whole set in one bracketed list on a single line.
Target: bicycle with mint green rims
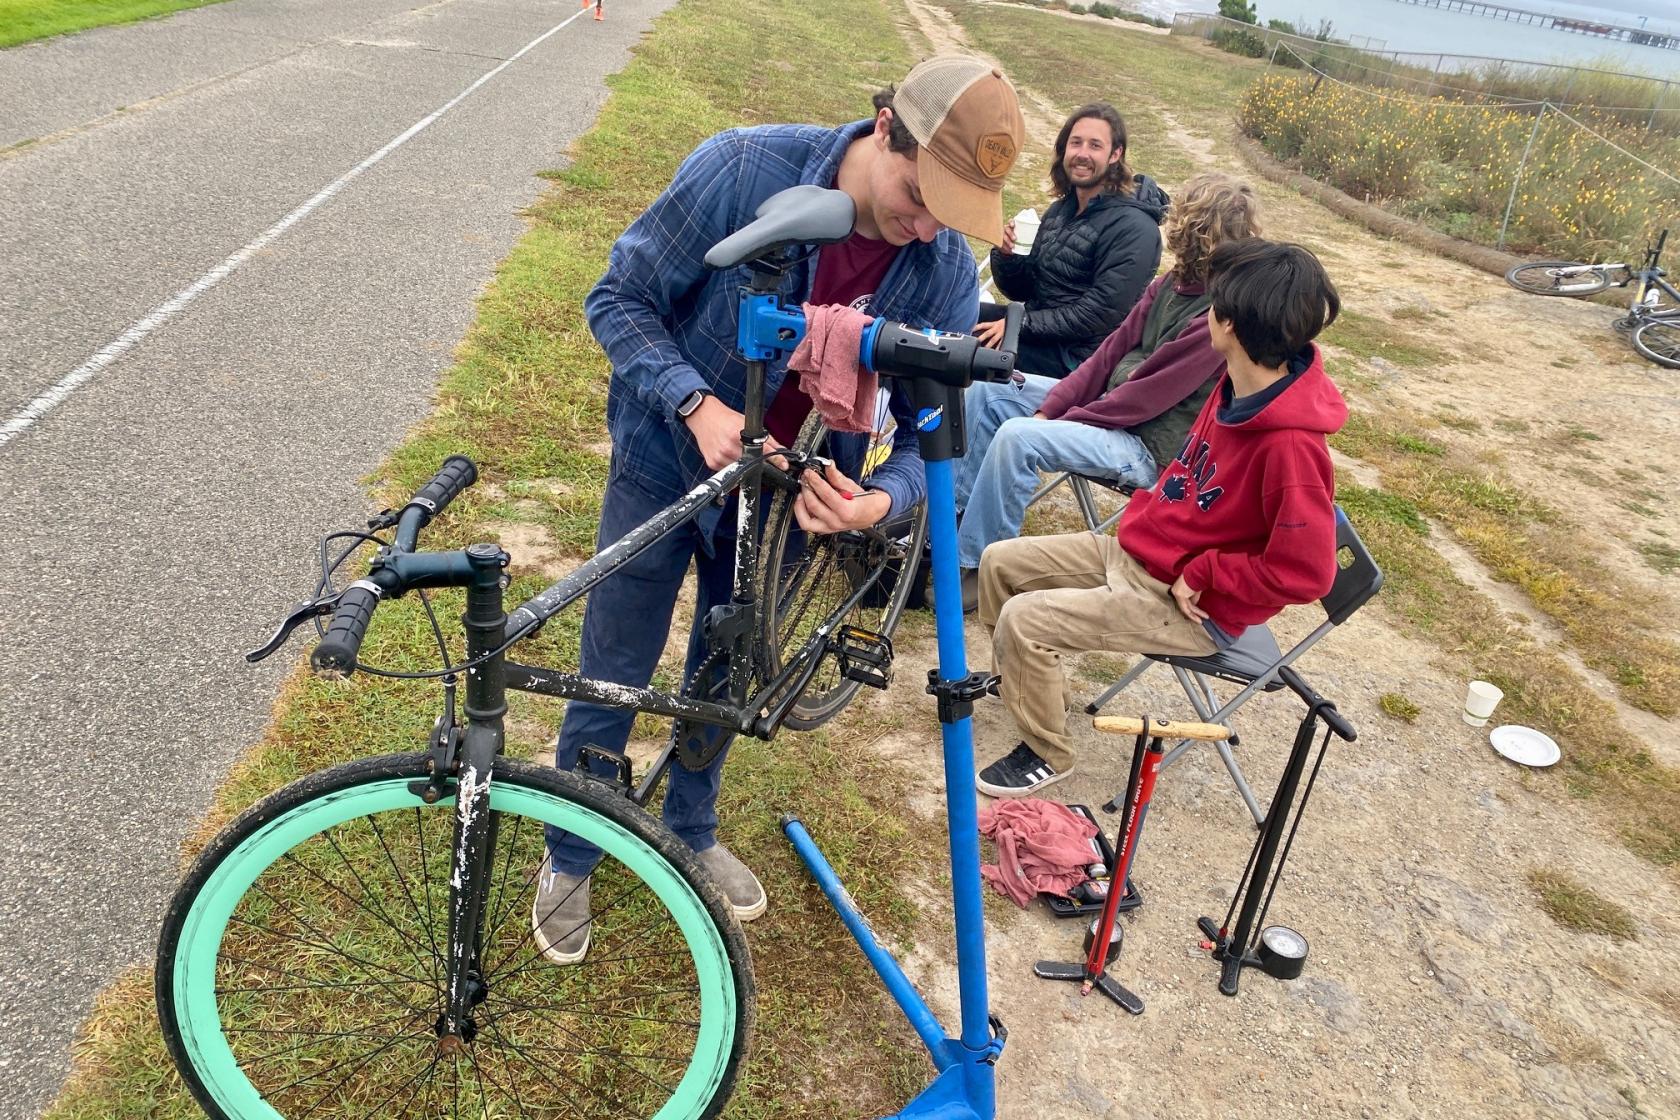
[(360, 943)]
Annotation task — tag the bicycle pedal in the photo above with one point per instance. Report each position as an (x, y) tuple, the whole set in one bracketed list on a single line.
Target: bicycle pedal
[(865, 656)]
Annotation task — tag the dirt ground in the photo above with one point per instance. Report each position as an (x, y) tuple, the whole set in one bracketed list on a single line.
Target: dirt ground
[(1435, 986)]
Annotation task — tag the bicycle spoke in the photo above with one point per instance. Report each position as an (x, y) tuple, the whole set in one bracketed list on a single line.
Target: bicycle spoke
[(402, 881), (541, 1069), (426, 881), (535, 1008), (323, 943), (602, 1053), (402, 938), (425, 1073)]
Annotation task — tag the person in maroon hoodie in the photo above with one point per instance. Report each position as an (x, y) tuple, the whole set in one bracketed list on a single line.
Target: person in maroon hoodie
[(1124, 410), (1239, 525)]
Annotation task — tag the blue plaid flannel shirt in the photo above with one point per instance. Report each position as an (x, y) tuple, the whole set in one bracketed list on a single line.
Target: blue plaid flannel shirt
[(667, 322)]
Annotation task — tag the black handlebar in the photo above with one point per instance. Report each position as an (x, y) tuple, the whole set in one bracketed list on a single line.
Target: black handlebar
[(336, 655), (457, 473)]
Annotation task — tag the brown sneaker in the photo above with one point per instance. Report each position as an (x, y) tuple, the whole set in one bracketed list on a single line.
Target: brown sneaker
[(560, 915), (740, 885)]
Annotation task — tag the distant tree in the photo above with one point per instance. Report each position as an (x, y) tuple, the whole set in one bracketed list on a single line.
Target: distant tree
[(1240, 10)]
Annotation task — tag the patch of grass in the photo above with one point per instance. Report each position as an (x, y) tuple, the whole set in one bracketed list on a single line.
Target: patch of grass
[(526, 401), (1398, 706), (1459, 423), (1412, 312), (1665, 558), (1576, 906), (22, 21), (1367, 336)]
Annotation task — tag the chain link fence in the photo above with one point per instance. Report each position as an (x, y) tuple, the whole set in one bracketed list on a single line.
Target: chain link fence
[(1627, 99)]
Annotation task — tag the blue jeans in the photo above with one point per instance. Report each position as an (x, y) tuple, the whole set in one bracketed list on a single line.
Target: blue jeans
[(625, 623), (1007, 449)]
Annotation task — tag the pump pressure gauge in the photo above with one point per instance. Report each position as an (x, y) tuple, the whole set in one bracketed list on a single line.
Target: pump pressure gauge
[(1283, 952)]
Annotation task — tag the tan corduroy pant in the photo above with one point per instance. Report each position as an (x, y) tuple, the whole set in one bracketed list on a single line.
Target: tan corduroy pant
[(1042, 597)]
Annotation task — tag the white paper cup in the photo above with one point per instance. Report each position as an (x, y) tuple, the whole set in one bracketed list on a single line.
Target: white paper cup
[(1026, 231), (1480, 702)]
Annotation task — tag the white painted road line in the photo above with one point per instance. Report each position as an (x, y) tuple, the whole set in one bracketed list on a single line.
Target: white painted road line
[(167, 310)]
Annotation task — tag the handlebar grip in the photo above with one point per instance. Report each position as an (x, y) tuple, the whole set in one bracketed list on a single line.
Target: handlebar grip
[(1012, 317), (336, 655), (457, 473)]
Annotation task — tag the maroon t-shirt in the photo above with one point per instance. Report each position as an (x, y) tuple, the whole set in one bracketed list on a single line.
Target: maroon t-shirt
[(847, 273)]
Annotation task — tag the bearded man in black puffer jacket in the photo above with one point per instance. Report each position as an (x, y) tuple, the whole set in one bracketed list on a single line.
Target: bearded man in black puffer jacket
[(1097, 248)]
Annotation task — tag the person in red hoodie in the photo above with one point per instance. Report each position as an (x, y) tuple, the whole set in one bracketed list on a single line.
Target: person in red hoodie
[(1123, 411), (1239, 525)]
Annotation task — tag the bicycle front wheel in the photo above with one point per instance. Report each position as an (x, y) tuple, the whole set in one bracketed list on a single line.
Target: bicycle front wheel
[(1659, 340), (301, 967), (1558, 278), (808, 577)]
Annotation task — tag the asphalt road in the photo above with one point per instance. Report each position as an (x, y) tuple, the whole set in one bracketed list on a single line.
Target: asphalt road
[(158, 505)]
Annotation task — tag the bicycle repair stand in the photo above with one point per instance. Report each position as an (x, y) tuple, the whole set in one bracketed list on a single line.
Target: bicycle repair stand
[(1278, 951), (1103, 938), (965, 1087)]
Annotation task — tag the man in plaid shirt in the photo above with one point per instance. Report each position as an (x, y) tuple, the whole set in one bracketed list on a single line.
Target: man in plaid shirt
[(926, 169)]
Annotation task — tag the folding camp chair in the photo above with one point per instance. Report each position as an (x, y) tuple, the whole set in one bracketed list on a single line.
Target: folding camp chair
[(1085, 499), (1255, 661)]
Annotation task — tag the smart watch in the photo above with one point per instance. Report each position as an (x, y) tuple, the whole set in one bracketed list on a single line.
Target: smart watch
[(686, 407)]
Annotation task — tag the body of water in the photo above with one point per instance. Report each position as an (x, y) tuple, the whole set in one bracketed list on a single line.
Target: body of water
[(1391, 25)]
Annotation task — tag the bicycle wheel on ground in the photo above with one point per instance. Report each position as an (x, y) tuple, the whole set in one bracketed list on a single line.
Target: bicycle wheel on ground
[(807, 577), (300, 968), (1659, 340), (1558, 278)]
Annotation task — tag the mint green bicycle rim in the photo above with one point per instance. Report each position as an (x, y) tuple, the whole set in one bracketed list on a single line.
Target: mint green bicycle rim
[(194, 979)]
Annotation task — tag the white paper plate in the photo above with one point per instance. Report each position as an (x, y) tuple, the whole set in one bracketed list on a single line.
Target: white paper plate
[(1525, 745)]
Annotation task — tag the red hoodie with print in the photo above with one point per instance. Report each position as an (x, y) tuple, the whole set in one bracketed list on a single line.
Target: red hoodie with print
[(1245, 512)]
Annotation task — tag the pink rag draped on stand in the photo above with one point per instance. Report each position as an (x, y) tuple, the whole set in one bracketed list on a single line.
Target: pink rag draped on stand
[(1043, 847), (826, 361)]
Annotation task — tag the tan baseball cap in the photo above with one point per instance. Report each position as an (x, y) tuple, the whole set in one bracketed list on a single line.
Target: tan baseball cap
[(967, 121)]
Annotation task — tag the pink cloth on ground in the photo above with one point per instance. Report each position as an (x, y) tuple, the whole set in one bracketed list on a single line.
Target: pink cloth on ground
[(826, 360), (1043, 847)]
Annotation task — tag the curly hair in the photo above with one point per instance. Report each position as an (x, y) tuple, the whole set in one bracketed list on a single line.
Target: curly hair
[(1211, 210), (1120, 176), (899, 138)]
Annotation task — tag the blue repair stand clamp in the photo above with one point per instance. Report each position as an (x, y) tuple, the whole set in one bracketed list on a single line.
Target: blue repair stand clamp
[(965, 1086)]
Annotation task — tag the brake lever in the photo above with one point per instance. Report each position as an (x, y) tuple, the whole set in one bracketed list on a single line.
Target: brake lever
[(315, 608)]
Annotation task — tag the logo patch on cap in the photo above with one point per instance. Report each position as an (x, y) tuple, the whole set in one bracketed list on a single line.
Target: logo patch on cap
[(995, 154)]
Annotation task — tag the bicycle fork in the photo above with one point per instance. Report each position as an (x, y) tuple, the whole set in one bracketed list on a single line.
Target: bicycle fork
[(475, 823)]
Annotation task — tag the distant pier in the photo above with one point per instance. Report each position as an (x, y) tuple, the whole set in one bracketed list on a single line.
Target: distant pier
[(1557, 23)]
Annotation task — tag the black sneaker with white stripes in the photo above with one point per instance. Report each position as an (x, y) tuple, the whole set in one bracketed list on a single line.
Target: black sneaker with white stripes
[(1017, 774)]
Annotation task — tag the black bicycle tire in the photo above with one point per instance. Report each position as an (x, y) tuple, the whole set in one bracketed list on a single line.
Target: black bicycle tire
[(594, 795), (1671, 326), (1511, 277), (806, 716)]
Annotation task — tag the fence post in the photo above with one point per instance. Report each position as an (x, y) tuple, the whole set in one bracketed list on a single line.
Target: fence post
[(1272, 57), (1522, 166)]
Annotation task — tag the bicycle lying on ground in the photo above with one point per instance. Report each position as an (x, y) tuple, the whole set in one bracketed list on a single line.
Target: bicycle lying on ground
[(359, 943), (1653, 318)]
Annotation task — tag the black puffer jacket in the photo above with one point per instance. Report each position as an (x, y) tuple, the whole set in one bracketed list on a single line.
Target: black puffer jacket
[(1085, 272)]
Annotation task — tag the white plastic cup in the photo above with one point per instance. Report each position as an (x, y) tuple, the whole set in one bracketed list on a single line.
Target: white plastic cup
[(1026, 230), (1480, 702)]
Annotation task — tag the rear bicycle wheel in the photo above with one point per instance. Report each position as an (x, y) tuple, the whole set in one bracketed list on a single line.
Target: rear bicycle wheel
[(1659, 340), (806, 577), (1558, 278), (300, 968)]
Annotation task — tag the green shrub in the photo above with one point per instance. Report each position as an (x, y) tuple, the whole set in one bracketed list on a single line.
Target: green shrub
[(1236, 41)]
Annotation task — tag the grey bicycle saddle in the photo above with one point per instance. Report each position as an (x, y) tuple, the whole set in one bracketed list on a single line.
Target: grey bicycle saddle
[(802, 215)]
